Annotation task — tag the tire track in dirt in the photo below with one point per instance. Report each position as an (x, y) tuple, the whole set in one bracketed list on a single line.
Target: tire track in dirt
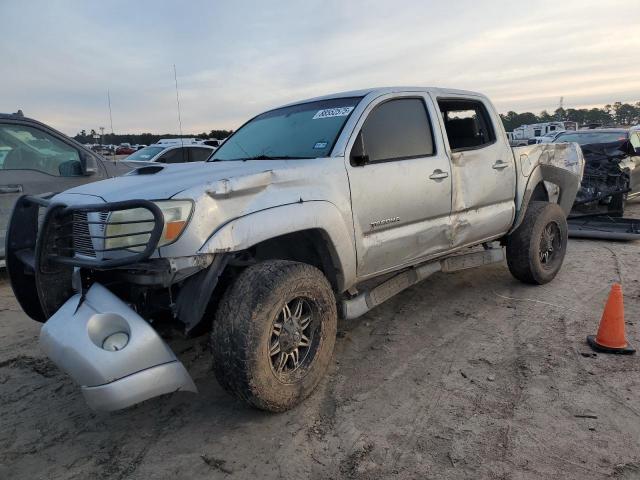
[(353, 439), (579, 306)]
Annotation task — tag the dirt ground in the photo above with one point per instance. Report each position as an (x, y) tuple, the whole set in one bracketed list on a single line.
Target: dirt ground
[(466, 375)]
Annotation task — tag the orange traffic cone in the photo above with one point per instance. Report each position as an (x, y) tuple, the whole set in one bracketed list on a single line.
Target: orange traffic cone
[(611, 337)]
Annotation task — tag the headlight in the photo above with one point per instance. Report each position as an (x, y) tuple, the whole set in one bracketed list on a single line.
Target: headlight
[(128, 235)]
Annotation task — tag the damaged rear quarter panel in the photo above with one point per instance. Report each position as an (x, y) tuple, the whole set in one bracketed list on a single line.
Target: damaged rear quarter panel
[(560, 164)]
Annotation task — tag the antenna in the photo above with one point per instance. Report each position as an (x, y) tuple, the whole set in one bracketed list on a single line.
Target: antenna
[(175, 77), (560, 108), (110, 117)]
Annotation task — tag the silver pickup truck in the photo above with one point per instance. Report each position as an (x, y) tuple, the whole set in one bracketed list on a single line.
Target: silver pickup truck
[(318, 209)]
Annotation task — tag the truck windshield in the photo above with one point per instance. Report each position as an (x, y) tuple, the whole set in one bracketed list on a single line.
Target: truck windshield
[(306, 130)]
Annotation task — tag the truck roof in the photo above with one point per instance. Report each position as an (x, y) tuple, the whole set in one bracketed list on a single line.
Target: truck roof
[(386, 90), (15, 116), (173, 141), (22, 118)]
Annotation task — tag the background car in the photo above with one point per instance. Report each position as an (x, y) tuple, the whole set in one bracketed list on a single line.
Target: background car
[(35, 158), (125, 150), (213, 142), (172, 153), (548, 138)]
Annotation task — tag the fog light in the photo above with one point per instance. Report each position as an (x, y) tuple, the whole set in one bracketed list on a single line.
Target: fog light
[(115, 341)]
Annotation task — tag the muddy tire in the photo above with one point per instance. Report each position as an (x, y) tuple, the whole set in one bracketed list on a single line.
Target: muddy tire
[(536, 249), (273, 335)]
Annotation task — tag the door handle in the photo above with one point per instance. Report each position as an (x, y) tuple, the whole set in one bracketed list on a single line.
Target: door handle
[(499, 165), (10, 188), (438, 175)]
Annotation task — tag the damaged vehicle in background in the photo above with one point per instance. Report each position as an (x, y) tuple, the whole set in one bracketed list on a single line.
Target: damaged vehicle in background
[(320, 208), (611, 170)]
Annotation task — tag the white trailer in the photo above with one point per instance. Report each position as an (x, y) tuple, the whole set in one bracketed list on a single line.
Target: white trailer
[(525, 134)]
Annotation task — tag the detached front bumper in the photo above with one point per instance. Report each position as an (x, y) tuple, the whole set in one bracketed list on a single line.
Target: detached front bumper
[(143, 368)]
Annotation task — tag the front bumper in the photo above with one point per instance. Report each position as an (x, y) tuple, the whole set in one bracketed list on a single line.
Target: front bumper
[(110, 380)]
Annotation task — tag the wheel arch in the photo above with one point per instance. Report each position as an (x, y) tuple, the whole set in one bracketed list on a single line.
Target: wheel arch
[(312, 246), (536, 189)]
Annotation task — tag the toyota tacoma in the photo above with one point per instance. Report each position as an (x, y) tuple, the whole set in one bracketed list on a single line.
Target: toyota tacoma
[(316, 210)]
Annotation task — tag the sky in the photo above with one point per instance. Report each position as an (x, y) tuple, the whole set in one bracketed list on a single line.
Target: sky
[(235, 59)]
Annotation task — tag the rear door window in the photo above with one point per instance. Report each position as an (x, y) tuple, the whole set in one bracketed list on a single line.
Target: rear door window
[(467, 124), (398, 129), (199, 154), (175, 155)]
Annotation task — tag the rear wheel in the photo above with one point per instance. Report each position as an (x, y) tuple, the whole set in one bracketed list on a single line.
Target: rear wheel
[(274, 333), (536, 249)]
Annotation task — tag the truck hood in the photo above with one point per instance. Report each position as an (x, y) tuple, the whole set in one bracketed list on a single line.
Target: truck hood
[(224, 191), (157, 181)]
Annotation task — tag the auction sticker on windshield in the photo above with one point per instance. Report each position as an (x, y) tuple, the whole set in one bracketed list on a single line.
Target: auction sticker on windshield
[(333, 112)]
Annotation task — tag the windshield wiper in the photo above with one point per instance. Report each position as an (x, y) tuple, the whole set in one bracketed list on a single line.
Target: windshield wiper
[(261, 157)]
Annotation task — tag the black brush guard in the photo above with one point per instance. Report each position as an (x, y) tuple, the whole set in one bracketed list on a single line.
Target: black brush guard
[(40, 256)]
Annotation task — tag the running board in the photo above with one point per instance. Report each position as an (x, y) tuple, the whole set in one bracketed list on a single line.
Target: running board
[(365, 301)]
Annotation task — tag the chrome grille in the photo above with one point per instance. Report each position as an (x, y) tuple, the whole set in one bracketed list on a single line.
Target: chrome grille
[(82, 242)]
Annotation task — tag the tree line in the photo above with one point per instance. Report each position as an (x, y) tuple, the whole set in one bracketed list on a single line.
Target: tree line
[(143, 138), (616, 114)]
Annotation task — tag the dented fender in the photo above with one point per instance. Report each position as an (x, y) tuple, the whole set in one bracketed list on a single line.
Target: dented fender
[(244, 232)]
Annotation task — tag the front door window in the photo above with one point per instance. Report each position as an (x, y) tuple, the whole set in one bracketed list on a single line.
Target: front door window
[(396, 130), (27, 148)]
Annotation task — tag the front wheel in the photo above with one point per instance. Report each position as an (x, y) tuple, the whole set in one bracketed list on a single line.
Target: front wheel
[(273, 335), (536, 249)]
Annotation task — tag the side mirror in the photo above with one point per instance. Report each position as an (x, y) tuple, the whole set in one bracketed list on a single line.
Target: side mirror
[(89, 164), (358, 156)]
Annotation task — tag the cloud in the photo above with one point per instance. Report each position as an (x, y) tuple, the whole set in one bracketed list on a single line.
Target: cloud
[(237, 58)]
